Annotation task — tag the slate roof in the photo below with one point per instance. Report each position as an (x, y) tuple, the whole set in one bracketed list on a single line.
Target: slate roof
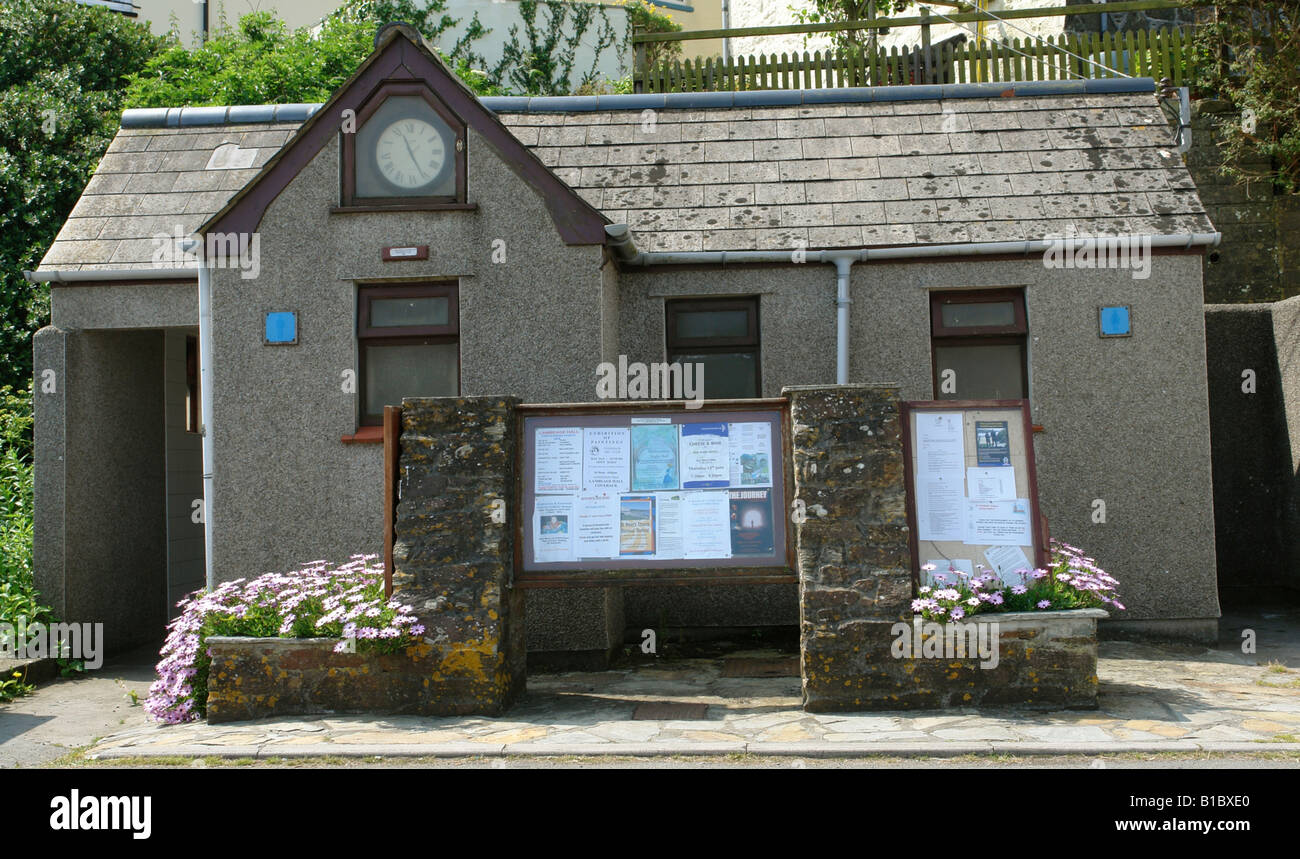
[(154, 181), (726, 177), (885, 173)]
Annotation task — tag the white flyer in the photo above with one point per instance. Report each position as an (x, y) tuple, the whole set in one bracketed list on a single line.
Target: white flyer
[(750, 446), (596, 529), (553, 529), (999, 523), (939, 513), (1005, 561), (668, 542), (557, 456), (606, 459), (706, 525), (996, 483), (939, 446)]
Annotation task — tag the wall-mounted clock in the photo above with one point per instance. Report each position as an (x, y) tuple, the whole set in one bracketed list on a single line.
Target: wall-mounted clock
[(408, 150), (410, 153)]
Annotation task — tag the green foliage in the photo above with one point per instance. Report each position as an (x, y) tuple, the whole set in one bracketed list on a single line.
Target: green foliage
[(843, 11), (13, 686), (62, 70), (260, 61), (18, 597), (543, 62), (1248, 54), (645, 18), (256, 62)]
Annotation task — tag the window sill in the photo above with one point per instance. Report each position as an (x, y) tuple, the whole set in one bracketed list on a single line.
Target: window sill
[(406, 207), (365, 435)]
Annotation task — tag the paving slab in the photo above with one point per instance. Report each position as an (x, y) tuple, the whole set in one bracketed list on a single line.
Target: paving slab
[(1153, 698)]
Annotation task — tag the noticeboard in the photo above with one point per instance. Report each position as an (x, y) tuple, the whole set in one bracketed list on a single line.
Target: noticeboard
[(972, 488), (653, 491)]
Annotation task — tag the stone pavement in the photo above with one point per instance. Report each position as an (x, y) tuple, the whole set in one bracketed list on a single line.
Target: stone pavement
[(1177, 698)]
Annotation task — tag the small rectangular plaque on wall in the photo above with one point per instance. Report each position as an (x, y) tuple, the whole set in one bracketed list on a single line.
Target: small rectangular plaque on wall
[(392, 254)]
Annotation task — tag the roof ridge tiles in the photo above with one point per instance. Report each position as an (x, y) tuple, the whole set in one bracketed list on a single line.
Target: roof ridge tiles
[(174, 117)]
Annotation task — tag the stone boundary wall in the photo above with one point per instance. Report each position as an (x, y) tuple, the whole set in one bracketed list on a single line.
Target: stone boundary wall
[(454, 556), (1259, 257), (253, 678)]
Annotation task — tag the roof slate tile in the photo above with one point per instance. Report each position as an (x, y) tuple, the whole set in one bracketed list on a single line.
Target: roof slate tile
[(830, 175)]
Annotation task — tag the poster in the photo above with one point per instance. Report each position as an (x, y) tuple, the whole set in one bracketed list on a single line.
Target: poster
[(607, 453), (596, 526), (992, 443), (557, 455), (751, 522), (991, 484), (705, 456), (636, 526), (552, 529), (1005, 561), (654, 457), (750, 445), (706, 525), (999, 523), (939, 446), (939, 507), (668, 526)]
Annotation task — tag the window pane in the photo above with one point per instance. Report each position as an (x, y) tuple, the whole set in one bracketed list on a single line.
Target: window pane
[(730, 375), (387, 312), (983, 372), (978, 314), (695, 324), (409, 370), (405, 149)]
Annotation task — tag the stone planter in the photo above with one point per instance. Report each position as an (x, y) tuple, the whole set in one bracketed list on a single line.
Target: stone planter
[(1044, 659), (253, 678)]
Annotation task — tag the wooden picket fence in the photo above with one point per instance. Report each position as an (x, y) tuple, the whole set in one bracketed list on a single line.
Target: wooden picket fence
[(1070, 56)]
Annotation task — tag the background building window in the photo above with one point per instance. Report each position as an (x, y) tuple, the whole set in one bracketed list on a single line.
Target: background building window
[(721, 334), (408, 343), (980, 337)]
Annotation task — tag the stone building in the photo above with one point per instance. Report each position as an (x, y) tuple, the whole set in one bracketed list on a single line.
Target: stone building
[(407, 238)]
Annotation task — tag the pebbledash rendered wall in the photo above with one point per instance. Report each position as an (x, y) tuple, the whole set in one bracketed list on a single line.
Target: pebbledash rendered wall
[(287, 490), (1124, 420)]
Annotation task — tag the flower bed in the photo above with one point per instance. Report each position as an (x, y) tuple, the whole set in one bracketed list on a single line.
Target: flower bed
[(344, 605), (1072, 580), (975, 640)]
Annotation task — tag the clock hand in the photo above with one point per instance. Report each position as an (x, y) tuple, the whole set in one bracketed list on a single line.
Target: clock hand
[(411, 152)]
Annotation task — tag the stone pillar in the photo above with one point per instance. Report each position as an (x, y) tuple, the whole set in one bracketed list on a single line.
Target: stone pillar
[(453, 552), (854, 563)]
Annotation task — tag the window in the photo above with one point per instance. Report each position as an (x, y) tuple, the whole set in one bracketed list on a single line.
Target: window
[(722, 335), (408, 345), (408, 151), (191, 384), (978, 341)]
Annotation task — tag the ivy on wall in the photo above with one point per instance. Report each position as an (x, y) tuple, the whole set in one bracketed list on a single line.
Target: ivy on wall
[(543, 62)]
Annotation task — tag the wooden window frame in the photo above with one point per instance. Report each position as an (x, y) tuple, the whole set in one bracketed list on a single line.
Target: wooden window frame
[(1016, 334), (750, 342), (407, 335), (349, 200), (982, 296)]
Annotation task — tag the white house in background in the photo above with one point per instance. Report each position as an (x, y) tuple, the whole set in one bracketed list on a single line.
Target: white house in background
[(193, 17), (771, 13)]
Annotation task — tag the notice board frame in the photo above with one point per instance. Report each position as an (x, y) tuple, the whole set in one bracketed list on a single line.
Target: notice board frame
[(1038, 523), (733, 571)]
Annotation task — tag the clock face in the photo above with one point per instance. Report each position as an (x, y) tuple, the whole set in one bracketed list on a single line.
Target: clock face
[(410, 153)]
